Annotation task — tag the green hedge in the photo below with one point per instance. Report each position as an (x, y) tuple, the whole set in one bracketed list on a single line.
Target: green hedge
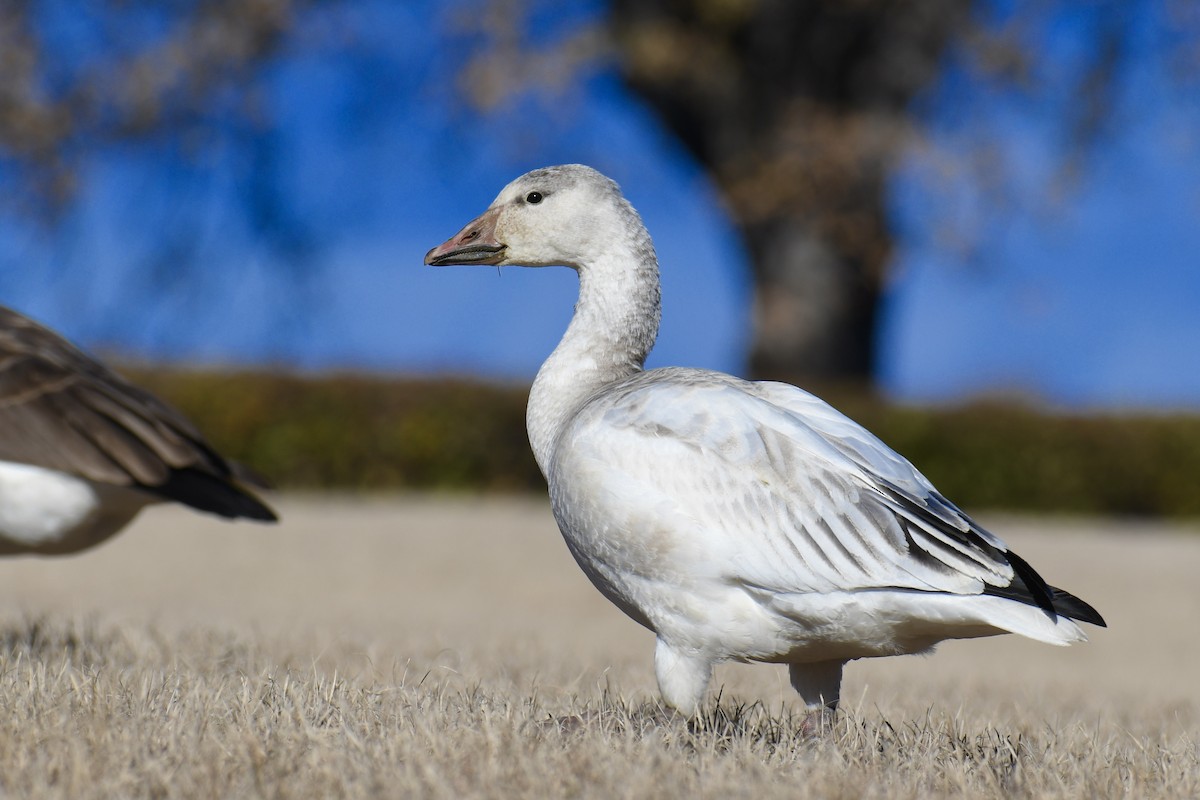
[(355, 432), (359, 432)]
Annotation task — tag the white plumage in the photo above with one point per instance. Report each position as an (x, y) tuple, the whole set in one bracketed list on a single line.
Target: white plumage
[(50, 512), (737, 520)]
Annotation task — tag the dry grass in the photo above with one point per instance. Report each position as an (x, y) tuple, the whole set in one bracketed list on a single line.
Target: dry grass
[(429, 648)]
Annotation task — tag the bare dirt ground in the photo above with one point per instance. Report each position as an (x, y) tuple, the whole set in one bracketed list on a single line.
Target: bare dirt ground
[(414, 646)]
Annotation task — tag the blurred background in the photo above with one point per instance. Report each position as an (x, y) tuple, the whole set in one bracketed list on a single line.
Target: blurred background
[(973, 225)]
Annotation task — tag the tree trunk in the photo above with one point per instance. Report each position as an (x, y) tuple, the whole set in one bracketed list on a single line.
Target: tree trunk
[(797, 109), (814, 308)]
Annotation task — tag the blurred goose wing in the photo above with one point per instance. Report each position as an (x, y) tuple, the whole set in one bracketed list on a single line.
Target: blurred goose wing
[(62, 410)]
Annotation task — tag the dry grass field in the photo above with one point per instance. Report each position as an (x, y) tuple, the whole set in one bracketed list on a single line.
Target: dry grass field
[(422, 647)]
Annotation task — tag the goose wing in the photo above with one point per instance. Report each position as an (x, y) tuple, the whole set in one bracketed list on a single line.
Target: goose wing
[(62, 410), (783, 492)]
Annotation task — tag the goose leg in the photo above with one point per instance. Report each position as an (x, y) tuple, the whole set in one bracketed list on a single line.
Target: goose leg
[(682, 677), (819, 686)]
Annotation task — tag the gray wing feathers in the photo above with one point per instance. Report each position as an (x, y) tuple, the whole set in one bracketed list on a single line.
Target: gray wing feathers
[(889, 469), (816, 501)]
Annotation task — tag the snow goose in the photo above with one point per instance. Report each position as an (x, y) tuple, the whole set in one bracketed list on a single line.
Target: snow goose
[(82, 450), (737, 520)]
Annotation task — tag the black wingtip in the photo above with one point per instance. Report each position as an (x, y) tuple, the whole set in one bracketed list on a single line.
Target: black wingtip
[(206, 492), (1071, 606), (1038, 590), (1029, 588)]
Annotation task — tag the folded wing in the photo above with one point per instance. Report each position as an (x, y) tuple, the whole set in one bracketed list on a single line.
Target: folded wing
[(62, 410), (790, 496)]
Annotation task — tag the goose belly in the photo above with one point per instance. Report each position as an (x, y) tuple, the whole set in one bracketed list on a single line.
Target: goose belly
[(51, 512), (654, 581), (653, 571)]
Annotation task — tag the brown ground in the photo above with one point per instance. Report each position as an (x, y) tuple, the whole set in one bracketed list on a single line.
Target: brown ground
[(451, 608)]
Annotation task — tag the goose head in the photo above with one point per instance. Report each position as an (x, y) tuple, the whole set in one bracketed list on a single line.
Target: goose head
[(555, 216)]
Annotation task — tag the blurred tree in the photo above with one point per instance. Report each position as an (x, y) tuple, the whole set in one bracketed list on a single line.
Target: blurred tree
[(184, 80), (800, 111)]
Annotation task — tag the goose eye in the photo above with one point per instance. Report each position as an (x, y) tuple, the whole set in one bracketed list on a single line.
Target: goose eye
[(533, 198)]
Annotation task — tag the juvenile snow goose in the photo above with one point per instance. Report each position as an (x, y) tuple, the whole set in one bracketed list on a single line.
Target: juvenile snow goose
[(82, 450), (737, 520)]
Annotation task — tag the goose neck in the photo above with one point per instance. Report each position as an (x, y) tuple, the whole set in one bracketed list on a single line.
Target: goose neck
[(612, 331)]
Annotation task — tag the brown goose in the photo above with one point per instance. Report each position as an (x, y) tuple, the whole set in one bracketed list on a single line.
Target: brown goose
[(82, 450)]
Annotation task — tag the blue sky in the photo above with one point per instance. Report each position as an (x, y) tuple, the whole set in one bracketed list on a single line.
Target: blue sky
[(1082, 298), (1087, 299)]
